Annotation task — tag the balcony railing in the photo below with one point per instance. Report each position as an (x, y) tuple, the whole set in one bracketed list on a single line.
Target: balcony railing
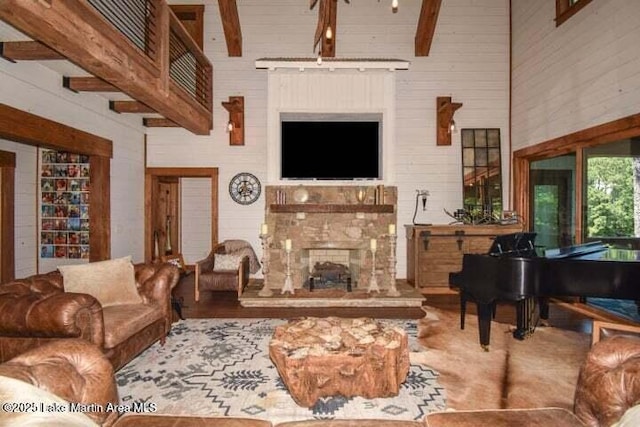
[(138, 46)]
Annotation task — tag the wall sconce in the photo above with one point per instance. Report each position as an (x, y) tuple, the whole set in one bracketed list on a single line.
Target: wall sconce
[(446, 125), (235, 125)]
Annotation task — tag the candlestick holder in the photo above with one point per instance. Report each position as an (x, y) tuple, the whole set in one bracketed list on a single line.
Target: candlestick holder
[(393, 291), (288, 283), (373, 281), (266, 242)]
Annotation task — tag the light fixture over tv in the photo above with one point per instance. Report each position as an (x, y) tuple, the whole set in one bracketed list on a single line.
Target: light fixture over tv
[(330, 146)]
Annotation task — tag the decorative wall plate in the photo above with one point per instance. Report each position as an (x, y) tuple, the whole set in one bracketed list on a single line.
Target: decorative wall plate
[(245, 188), (300, 195)]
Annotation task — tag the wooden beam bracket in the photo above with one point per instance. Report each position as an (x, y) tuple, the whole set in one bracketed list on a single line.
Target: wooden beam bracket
[(235, 126), (444, 121)]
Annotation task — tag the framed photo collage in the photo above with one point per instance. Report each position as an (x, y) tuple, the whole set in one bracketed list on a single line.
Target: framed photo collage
[(64, 215)]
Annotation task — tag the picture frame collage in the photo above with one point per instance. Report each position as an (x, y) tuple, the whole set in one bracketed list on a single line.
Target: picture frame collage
[(64, 208)]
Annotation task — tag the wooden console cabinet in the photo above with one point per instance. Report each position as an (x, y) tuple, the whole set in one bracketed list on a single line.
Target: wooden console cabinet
[(434, 251)]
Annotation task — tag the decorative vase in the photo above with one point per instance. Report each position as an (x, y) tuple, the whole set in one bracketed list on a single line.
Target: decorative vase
[(361, 194)]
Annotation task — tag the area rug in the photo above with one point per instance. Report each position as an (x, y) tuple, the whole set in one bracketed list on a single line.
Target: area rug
[(221, 367), (539, 371)]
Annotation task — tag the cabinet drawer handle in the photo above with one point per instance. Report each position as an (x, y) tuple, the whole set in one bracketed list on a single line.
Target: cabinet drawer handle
[(460, 239), (424, 235)]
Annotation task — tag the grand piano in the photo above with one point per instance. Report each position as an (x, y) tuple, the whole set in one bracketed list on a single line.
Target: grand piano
[(512, 271)]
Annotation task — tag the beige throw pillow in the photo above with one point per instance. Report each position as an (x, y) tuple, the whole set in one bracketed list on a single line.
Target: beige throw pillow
[(226, 262), (111, 282)]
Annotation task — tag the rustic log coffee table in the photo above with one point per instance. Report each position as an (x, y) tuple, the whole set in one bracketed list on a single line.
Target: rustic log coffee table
[(318, 357)]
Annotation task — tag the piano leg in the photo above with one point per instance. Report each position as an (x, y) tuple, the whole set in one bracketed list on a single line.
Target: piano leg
[(463, 308), (522, 316), (485, 312), (544, 308)]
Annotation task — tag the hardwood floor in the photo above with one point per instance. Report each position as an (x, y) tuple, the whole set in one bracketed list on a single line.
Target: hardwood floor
[(226, 305)]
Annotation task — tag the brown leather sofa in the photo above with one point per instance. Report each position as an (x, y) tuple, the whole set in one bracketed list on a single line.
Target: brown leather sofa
[(77, 371), (36, 310)]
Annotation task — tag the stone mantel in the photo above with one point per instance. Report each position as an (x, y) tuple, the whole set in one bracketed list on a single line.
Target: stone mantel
[(330, 217)]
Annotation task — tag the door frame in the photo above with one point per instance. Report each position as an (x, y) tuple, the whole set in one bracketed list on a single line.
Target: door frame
[(576, 142), (559, 177), (27, 128), (152, 174), (7, 215)]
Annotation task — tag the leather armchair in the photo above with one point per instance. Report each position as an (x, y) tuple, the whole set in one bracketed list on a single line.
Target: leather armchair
[(208, 278), (74, 370)]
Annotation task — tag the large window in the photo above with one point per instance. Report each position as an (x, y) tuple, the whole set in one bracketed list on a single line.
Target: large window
[(612, 187)]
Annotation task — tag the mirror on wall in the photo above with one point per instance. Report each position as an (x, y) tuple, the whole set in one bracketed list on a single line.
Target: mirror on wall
[(481, 173)]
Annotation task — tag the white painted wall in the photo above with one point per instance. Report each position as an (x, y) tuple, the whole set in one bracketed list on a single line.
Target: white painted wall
[(34, 88), (583, 73), (469, 61)]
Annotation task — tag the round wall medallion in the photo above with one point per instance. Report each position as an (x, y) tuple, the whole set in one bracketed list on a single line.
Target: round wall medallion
[(300, 195), (245, 188)]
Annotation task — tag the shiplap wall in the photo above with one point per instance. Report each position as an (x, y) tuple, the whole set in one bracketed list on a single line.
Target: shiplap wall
[(469, 61), (583, 73), (37, 89)]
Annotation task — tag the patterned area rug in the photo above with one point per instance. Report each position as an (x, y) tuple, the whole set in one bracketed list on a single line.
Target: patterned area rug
[(221, 367)]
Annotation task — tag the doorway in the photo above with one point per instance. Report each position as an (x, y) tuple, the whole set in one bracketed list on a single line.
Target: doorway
[(163, 208), (551, 208)]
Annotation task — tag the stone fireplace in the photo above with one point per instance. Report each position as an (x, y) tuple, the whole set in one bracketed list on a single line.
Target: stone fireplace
[(329, 224)]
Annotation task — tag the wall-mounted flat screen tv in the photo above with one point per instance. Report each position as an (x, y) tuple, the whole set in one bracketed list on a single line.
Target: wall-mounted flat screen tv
[(331, 147)]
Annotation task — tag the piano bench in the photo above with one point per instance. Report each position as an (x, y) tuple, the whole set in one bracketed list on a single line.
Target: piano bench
[(503, 418)]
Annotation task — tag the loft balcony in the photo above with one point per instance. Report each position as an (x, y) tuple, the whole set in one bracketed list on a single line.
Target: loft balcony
[(138, 47)]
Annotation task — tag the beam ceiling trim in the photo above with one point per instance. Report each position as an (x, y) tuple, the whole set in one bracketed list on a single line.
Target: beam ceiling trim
[(110, 56), (231, 25), (27, 51), (426, 26), (129, 107), (88, 84), (153, 122), (59, 136)]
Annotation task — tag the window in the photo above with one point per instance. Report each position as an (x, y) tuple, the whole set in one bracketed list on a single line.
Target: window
[(565, 9), (612, 210), (481, 170)]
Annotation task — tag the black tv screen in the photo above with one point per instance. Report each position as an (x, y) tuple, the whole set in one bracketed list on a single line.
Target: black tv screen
[(330, 150)]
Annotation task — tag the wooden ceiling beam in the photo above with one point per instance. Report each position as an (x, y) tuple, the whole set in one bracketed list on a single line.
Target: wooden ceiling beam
[(109, 56), (231, 26), (27, 51), (152, 122), (426, 26), (134, 107), (88, 84)]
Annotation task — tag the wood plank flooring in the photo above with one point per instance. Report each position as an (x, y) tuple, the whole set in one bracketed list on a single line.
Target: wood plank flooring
[(226, 305)]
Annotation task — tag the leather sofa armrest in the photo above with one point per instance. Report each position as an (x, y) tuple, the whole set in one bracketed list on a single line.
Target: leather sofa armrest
[(607, 383), (155, 282), (56, 315), (74, 370)]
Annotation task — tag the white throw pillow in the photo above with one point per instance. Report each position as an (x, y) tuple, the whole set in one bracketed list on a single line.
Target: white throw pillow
[(226, 262), (111, 282), (631, 418)]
